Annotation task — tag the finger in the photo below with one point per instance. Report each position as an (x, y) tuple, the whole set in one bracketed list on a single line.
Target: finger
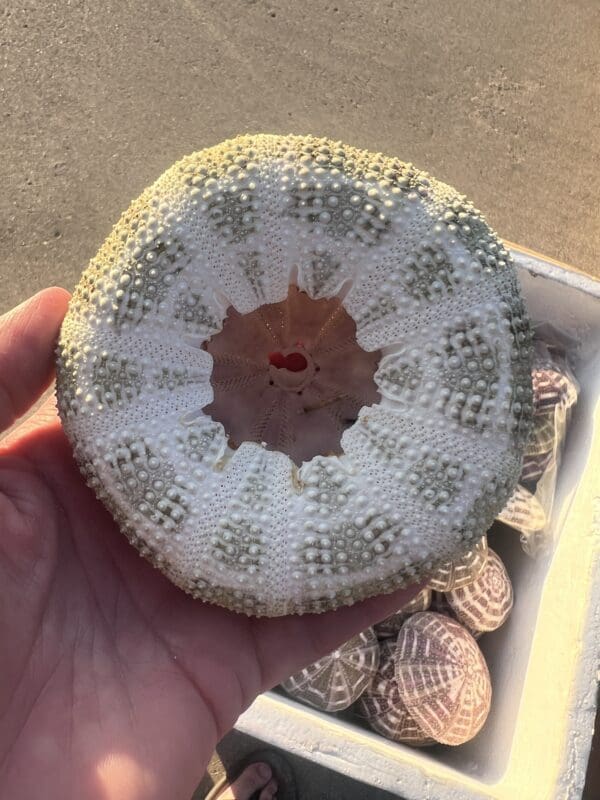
[(28, 336), (268, 793), (43, 417), (253, 778), (339, 626)]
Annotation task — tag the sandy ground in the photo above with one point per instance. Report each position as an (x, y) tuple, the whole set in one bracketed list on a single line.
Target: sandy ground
[(500, 100)]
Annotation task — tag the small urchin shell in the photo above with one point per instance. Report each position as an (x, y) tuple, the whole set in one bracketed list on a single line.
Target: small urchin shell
[(442, 678), (338, 679), (417, 476), (539, 454), (440, 605), (554, 394), (460, 571), (391, 625), (523, 512), (552, 387), (382, 706), (485, 603)]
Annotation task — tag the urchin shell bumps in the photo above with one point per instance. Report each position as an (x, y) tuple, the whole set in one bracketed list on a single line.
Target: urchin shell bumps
[(419, 475)]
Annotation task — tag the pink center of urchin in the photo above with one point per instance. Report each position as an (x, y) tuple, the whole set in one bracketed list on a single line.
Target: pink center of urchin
[(291, 375)]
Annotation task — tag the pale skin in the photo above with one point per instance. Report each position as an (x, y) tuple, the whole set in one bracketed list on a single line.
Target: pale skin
[(115, 684)]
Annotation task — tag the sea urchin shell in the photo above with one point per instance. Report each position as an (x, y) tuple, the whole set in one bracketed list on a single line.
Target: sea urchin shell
[(524, 512), (460, 571), (391, 625), (335, 681), (442, 678), (415, 477), (485, 603), (382, 705)]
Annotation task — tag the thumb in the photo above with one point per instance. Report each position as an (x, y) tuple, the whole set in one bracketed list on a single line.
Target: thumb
[(28, 336)]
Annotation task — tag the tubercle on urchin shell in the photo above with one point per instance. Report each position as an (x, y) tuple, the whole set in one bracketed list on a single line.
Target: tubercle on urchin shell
[(421, 474)]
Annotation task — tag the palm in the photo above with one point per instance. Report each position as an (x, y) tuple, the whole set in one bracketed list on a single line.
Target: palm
[(112, 676)]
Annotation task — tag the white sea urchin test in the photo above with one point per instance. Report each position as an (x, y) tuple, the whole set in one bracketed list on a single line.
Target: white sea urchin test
[(298, 374)]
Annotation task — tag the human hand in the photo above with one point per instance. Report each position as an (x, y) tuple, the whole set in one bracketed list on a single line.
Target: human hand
[(115, 684)]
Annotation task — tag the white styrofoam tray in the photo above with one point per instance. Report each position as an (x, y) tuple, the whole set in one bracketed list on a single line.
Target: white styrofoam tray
[(543, 661)]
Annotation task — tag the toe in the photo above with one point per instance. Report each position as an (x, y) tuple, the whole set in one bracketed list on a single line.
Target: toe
[(268, 793), (253, 778)]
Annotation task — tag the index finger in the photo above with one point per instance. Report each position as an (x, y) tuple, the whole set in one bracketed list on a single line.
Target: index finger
[(28, 337)]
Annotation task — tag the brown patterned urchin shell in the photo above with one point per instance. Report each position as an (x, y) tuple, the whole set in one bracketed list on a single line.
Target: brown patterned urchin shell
[(534, 467), (392, 624), (523, 512), (440, 605), (335, 681), (554, 393), (442, 678), (382, 706), (543, 435), (551, 387), (485, 603), (542, 445), (461, 571)]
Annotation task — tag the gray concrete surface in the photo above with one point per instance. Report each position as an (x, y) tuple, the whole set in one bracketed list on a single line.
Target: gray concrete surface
[(313, 782), (499, 99)]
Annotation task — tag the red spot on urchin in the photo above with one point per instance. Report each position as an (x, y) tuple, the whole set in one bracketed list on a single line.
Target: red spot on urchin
[(294, 362), (277, 360)]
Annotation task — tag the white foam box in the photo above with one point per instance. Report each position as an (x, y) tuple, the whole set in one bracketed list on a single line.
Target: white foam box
[(543, 662)]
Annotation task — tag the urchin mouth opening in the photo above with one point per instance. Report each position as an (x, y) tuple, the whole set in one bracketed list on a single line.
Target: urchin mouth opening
[(291, 375)]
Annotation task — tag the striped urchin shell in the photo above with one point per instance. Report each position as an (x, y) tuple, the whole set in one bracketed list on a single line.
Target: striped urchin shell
[(460, 571), (551, 387), (338, 679), (539, 452), (554, 394), (485, 603), (440, 605), (382, 706), (392, 624), (416, 476), (442, 678), (523, 512)]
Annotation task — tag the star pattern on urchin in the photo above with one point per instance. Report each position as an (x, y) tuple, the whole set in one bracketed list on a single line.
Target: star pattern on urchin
[(335, 681)]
